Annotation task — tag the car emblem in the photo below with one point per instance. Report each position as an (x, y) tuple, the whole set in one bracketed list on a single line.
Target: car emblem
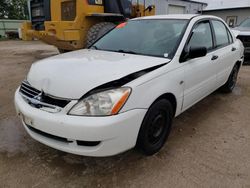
[(39, 96), (37, 100)]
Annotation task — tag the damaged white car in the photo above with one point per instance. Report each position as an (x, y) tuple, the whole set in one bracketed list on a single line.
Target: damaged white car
[(127, 87)]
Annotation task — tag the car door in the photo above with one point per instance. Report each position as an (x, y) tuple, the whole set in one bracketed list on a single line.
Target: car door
[(224, 50), (200, 73)]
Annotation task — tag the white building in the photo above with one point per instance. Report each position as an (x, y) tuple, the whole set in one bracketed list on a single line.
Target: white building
[(179, 6), (232, 11), (7, 25)]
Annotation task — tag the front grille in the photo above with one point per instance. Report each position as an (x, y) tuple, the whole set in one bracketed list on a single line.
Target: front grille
[(245, 40), (29, 91), (32, 93), (64, 140), (57, 138), (40, 12)]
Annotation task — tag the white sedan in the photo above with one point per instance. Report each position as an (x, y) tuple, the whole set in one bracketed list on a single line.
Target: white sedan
[(127, 87)]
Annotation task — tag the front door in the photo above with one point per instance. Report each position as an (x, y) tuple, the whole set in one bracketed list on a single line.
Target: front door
[(200, 73)]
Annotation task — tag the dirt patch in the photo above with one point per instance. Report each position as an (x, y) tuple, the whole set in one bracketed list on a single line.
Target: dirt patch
[(208, 146)]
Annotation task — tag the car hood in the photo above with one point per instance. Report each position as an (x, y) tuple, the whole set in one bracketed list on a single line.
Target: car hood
[(241, 31), (73, 74), (242, 28)]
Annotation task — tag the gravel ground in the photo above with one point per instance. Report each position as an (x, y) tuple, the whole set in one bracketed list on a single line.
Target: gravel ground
[(209, 145)]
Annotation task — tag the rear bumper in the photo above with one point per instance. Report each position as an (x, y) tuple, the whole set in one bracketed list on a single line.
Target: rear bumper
[(115, 134)]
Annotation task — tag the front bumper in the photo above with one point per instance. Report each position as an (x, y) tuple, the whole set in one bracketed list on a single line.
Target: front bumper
[(116, 134)]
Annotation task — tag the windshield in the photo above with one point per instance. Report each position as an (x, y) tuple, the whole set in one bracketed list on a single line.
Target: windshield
[(245, 23), (145, 37)]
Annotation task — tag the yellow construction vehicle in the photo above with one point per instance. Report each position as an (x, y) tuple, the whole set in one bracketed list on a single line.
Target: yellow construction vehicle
[(76, 24)]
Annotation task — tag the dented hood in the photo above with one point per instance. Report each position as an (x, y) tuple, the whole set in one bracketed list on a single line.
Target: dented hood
[(73, 74)]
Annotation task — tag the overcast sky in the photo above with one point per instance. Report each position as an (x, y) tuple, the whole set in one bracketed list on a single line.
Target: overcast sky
[(213, 1), (222, 1), (226, 3)]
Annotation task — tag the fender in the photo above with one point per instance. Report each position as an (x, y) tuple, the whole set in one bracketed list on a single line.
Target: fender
[(122, 81)]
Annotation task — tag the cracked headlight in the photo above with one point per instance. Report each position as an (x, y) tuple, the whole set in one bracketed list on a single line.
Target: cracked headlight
[(104, 103)]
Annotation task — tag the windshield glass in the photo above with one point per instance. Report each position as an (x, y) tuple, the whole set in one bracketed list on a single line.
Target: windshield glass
[(145, 37), (245, 23)]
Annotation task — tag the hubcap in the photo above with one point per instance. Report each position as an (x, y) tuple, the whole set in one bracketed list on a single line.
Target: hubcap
[(157, 127)]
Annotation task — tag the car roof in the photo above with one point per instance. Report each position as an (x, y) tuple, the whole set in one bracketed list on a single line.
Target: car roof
[(174, 16)]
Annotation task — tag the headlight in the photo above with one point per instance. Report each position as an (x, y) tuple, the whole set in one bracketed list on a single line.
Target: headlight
[(105, 103)]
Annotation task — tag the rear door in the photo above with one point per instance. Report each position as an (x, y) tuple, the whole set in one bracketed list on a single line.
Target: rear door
[(224, 50), (200, 73)]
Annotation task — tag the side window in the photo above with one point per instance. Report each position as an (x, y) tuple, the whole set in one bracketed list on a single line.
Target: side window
[(201, 36), (221, 33)]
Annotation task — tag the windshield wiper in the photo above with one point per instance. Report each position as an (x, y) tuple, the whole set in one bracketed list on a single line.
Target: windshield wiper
[(126, 51), (120, 51)]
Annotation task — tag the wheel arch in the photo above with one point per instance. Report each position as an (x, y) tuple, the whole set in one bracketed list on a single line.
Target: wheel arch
[(238, 63), (171, 98)]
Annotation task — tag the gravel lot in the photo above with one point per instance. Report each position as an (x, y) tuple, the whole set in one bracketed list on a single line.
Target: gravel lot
[(209, 145)]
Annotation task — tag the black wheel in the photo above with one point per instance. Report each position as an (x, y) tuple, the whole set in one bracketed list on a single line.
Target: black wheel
[(232, 80), (97, 31), (156, 127)]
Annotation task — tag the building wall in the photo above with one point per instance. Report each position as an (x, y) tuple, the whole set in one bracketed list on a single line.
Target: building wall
[(162, 6), (9, 25), (241, 14)]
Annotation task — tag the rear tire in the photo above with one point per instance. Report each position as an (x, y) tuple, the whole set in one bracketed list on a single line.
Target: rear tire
[(156, 127), (229, 86), (97, 31)]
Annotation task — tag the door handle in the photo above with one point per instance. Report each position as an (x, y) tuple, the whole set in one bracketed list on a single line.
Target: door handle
[(234, 49), (214, 57)]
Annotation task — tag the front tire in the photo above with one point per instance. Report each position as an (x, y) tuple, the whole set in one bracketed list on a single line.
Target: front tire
[(156, 127), (97, 31), (229, 86)]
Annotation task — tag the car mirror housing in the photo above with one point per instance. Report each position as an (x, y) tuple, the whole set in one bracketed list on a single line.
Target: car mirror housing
[(194, 52)]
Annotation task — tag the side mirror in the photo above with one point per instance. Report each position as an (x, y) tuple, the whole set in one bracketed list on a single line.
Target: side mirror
[(193, 52)]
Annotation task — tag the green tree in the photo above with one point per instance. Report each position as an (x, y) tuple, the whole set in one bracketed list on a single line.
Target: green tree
[(3, 8), (13, 9)]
